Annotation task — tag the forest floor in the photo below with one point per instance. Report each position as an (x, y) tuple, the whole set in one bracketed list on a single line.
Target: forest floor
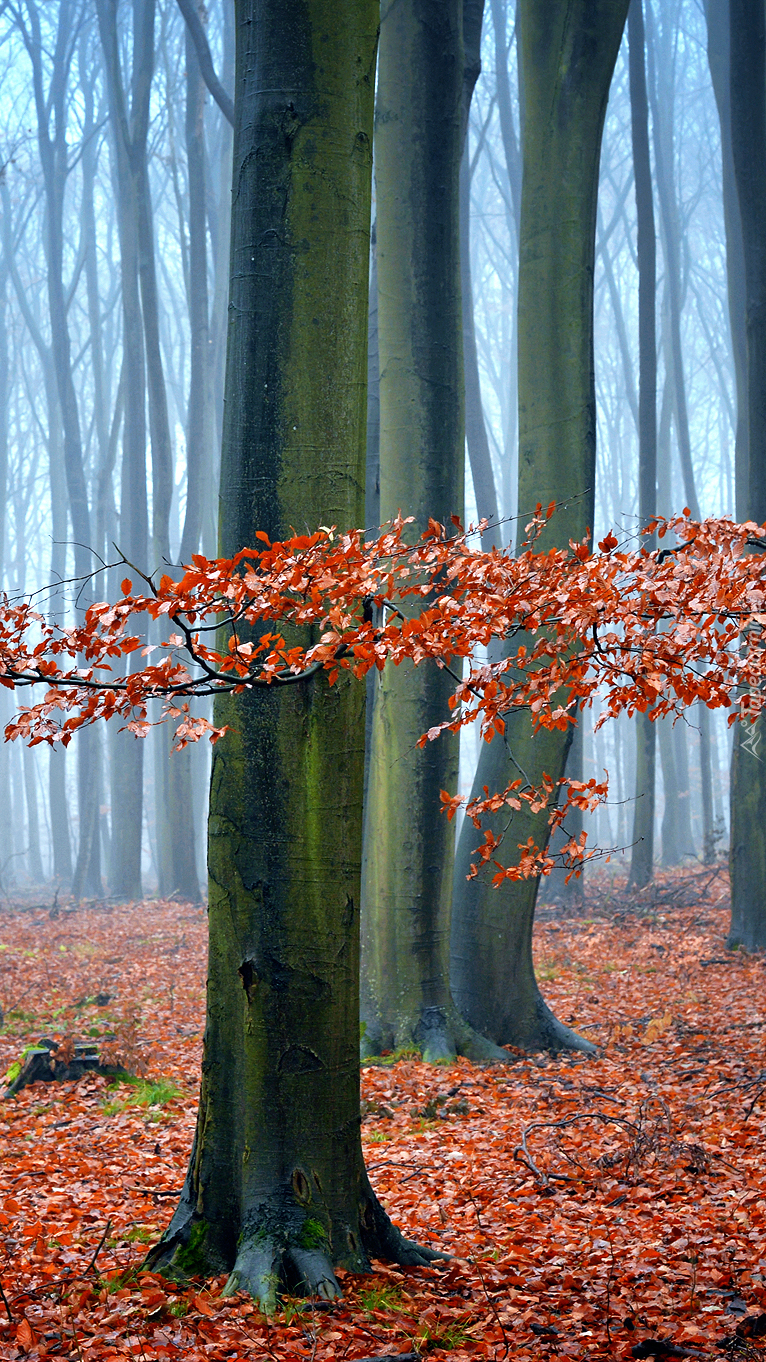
[(589, 1205)]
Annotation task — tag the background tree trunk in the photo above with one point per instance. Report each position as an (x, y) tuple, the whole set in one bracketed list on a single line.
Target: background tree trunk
[(642, 857), (719, 61), (51, 111), (748, 133), (408, 847), (492, 973)]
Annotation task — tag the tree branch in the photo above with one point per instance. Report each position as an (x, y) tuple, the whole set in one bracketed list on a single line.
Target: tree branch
[(199, 38)]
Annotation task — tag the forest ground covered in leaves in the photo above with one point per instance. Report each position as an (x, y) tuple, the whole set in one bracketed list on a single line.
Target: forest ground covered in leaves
[(588, 1204)]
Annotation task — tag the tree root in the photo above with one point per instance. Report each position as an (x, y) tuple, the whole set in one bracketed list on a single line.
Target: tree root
[(439, 1034), (256, 1271), (555, 1036), (382, 1239), (272, 1259)]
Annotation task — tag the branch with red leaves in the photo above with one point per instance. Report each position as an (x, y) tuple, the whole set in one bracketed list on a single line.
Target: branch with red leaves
[(650, 632)]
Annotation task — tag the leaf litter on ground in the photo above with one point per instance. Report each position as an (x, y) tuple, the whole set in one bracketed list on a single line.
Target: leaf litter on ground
[(593, 1208)]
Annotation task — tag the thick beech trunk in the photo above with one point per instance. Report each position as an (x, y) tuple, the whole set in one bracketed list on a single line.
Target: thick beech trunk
[(748, 134), (276, 1187), (642, 858), (407, 872), (568, 55)]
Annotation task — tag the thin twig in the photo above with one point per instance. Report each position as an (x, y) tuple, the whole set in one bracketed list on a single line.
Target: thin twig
[(492, 1307), (101, 1243), (4, 1299)]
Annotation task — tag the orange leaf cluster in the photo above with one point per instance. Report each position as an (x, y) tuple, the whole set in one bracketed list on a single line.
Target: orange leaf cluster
[(651, 632)]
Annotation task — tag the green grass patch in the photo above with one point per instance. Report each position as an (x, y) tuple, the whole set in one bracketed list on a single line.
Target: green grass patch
[(139, 1234), (447, 1337), (381, 1298), (393, 1057), (142, 1092)]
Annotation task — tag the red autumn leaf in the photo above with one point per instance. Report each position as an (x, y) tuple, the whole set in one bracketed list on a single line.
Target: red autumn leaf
[(203, 1304), (25, 1335)]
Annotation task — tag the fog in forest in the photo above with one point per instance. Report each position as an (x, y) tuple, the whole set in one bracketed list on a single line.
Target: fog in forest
[(115, 215)]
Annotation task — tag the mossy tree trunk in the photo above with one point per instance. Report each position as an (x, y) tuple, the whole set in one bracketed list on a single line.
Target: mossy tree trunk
[(407, 872), (748, 133), (276, 1187), (569, 48)]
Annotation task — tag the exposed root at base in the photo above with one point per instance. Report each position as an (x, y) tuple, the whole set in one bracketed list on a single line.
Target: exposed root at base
[(382, 1239), (555, 1036), (439, 1035), (269, 1261), (262, 1267)]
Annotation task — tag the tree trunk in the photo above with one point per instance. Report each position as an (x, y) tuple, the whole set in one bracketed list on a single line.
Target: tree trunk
[(660, 89), (59, 816), (662, 115), (276, 1187), (54, 160), (408, 848), (219, 219), (719, 59), (129, 129), (4, 387), (748, 135), (198, 434), (174, 819), (34, 859), (477, 442), (642, 857), (492, 973), (559, 886), (476, 431), (372, 470)]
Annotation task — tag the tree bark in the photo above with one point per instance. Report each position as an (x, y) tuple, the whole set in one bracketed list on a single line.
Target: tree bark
[(642, 858), (276, 1187), (492, 972), (408, 847), (748, 133)]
